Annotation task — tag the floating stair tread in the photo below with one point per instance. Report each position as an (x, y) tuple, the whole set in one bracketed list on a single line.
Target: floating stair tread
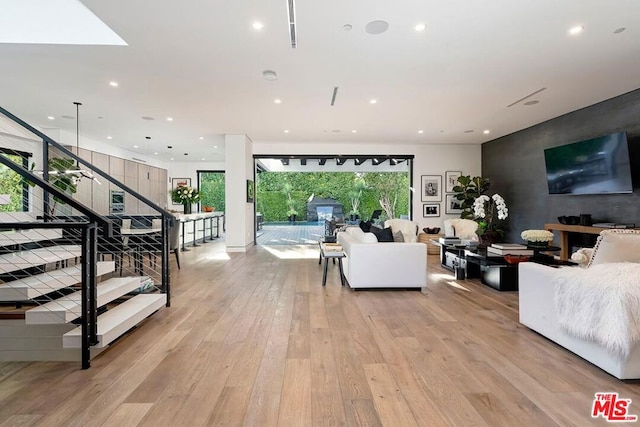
[(21, 260), (118, 320), (29, 236), (41, 284), (69, 307)]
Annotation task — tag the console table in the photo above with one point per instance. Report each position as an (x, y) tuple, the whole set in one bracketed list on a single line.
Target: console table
[(564, 231)]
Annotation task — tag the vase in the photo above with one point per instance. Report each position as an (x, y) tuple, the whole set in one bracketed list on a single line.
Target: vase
[(488, 238), (187, 208), (537, 244)]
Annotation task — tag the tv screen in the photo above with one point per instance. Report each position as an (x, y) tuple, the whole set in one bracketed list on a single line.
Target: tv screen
[(595, 166)]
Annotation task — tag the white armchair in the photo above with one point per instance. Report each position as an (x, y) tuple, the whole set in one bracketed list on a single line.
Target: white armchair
[(462, 228), (408, 228)]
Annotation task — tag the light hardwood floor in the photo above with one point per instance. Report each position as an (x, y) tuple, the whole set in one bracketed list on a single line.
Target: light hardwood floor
[(253, 339)]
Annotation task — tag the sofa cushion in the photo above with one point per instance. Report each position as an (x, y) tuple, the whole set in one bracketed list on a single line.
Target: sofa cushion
[(382, 234), (361, 236), (398, 237), (616, 246)]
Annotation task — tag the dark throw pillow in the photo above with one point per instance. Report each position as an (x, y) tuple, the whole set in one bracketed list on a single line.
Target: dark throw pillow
[(365, 226), (383, 235)]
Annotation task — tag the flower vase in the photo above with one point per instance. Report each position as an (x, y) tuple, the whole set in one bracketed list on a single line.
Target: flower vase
[(187, 208), (488, 238)]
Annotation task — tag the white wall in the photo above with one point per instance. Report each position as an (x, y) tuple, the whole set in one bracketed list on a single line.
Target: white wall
[(432, 159), (239, 214)]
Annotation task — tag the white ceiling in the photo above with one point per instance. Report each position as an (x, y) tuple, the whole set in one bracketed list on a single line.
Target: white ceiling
[(201, 63)]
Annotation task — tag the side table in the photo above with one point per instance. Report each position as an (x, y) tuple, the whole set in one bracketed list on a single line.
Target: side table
[(333, 255)]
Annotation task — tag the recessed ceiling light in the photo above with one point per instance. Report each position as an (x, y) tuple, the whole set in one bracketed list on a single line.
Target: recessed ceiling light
[(576, 30), (354, 131), (156, 153), (171, 158), (169, 119), (202, 158), (186, 154), (347, 27), (373, 101), (135, 146), (202, 137), (619, 30), (215, 146), (286, 131), (113, 84), (277, 101), (51, 118), (486, 131), (420, 131), (420, 27), (269, 75), (109, 137), (257, 25)]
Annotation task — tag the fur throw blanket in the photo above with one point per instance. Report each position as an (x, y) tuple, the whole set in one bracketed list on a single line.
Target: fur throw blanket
[(601, 304)]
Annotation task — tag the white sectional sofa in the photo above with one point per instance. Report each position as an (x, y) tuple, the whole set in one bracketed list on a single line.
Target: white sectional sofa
[(538, 310), (373, 264)]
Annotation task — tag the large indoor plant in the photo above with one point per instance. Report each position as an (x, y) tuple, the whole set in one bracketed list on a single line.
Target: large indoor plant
[(467, 191), (185, 196)]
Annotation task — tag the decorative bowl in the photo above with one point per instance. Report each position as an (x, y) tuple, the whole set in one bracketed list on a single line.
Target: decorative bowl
[(515, 259), (431, 230), (562, 219)]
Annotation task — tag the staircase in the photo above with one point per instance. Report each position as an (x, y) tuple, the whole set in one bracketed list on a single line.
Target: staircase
[(66, 291), (44, 329)]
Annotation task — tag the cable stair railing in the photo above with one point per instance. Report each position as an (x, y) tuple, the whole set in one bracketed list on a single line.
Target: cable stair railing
[(73, 277)]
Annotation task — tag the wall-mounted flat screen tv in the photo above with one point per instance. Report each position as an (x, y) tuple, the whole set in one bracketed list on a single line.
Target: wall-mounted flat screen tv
[(595, 166)]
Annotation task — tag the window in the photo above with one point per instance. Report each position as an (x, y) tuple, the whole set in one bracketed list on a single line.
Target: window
[(14, 191)]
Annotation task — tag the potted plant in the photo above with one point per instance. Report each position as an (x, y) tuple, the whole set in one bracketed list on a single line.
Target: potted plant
[(489, 212), (355, 195), (292, 214), (63, 174), (186, 196), (467, 191)]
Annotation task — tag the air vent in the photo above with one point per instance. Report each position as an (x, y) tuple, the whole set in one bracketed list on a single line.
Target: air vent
[(333, 97), (139, 160), (291, 10), (528, 96)]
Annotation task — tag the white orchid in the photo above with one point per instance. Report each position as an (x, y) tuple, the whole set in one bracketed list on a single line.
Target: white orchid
[(484, 208)]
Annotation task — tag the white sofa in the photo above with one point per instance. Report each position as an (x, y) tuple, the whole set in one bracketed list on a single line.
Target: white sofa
[(372, 264), (538, 308)]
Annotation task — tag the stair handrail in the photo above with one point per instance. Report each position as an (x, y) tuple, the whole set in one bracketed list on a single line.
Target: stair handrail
[(77, 158), (47, 186)]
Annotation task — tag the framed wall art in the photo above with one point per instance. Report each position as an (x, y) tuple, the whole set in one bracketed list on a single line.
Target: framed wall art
[(453, 205), (431, 188), (451, 180), (250, 191), (431, 210)]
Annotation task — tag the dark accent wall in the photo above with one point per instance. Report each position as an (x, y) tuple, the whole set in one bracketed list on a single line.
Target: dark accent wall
[(515, 165)]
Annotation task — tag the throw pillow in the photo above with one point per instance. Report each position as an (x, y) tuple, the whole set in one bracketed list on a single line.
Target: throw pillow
[(382, 234), (365, 226), (616, 246), (398, 237)]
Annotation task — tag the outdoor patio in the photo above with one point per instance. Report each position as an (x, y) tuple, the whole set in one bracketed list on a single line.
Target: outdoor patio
[(290, 234)]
